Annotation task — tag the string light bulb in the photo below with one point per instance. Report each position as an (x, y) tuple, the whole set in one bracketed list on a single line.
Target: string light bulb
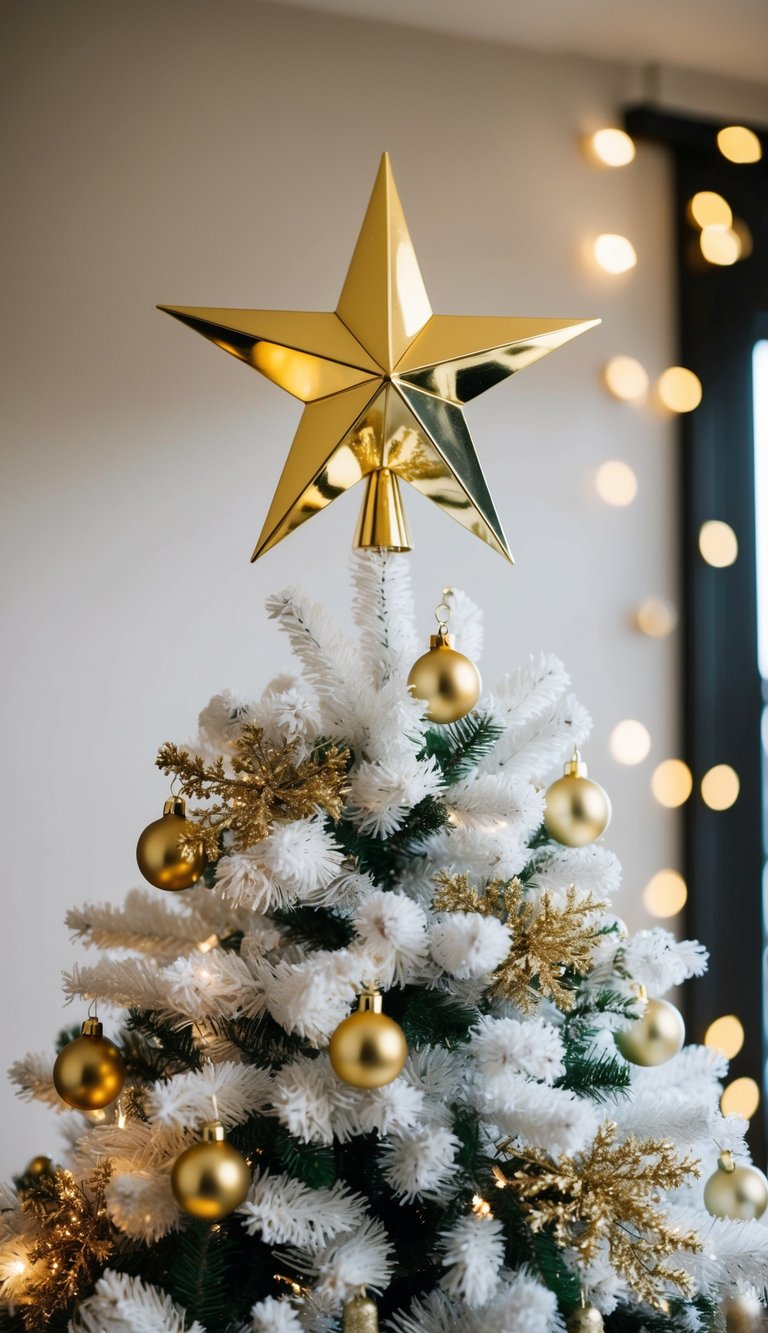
[(672, 783), (630, 742), (612, 147), (726, 1035), (720, 787), (656, 617), (741, 1097), (615, 254), (718, 543), (626, 379), (679, 389), (709, 209), (720, 246), (616, 483), (665, 894), (739, 144)]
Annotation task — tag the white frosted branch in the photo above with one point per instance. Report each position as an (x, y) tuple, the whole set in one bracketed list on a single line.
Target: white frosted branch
[(185, 1100)]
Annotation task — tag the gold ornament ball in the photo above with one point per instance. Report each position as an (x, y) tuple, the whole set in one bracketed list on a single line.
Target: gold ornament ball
[(655, 1037), (161, 858), (211, 1178), (588, 1319), (446, 680), (39, 1166), (368, 1049), (577, 810), (89, 1073), (360, 1316), (739, 1192), (744, 1314)]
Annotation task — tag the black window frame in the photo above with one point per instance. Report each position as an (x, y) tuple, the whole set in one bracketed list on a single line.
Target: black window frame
[(722, 312)]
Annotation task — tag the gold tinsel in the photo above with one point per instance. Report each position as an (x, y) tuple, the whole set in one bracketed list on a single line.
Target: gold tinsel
[(261, 782), (610, 1193), (547, 941), (75, 1240)]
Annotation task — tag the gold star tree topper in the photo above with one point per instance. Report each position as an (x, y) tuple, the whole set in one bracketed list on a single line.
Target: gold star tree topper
[(384, 383)]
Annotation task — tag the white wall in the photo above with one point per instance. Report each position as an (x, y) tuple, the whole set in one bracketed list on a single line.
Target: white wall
[(223, 154)]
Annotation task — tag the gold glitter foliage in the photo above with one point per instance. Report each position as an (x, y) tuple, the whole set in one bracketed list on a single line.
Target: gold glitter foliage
[(611, 1194), (76, 1240), (261, 782), (550, 944)]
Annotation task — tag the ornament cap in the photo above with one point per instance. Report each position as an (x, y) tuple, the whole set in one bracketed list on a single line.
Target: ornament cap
[(441, 640), (212, 1132), (382, 525), (371, 1001), (175, 805), (92, 1027), (575, 767), (727, 1162)]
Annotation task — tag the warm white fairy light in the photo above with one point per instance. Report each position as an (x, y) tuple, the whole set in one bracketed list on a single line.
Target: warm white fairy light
[(726, 1035), (739, 144), (665, 894), (718, 543), (626, 379), (709, 209), (672, 783), (720, 245), (679, 389), (656, 617), (612, 147), (630, 742), (616, 483), (720, 787), (615, 254)]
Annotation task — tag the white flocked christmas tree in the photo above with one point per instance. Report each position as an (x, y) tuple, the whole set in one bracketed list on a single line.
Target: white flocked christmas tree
[(518, 1175)]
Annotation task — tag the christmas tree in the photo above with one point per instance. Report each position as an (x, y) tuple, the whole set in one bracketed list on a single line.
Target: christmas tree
[(389, 1060)]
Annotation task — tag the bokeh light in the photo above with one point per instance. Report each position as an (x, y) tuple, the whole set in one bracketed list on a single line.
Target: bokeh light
[(616, 483), (666, 894), (630, 742), (746, 239), (718, 543), (720, 245), (708, 209), (672, 783), (739, 144), (679, 389), (614, 148), (626, 378), (614, 253), (720, 787), (742, 1097), (656, 617), (726, 1035)]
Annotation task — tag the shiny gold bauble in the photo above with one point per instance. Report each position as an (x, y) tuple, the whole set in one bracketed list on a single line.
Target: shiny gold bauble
[(587, 1319), (368, 1049), (744, 1314), (161, 858), (360, 1316), (577, 810), (211, 1178), (89, 1073), (446, 680), (735, 1191), (39, 1166), (655, 1037)]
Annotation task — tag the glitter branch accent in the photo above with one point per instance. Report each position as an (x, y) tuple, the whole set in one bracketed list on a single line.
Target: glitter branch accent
[(548, 942), (611, 1193), (75, 1240), (263, 782)]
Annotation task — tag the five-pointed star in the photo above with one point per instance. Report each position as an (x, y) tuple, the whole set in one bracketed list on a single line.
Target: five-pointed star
[(383, 379)]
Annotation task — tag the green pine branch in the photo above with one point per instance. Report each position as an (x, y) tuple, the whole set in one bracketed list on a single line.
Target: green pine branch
[(459, 747), (604, 1077)]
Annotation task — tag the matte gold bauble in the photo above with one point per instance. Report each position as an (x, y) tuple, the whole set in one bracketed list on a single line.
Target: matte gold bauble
[(446, 680), (735, 1191), (89, 1073), (161, 858), (368, 1049), (577, 810), (38, 1167), (655, 1037), (360, 1316), (587, 1319), (211, 1178)]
